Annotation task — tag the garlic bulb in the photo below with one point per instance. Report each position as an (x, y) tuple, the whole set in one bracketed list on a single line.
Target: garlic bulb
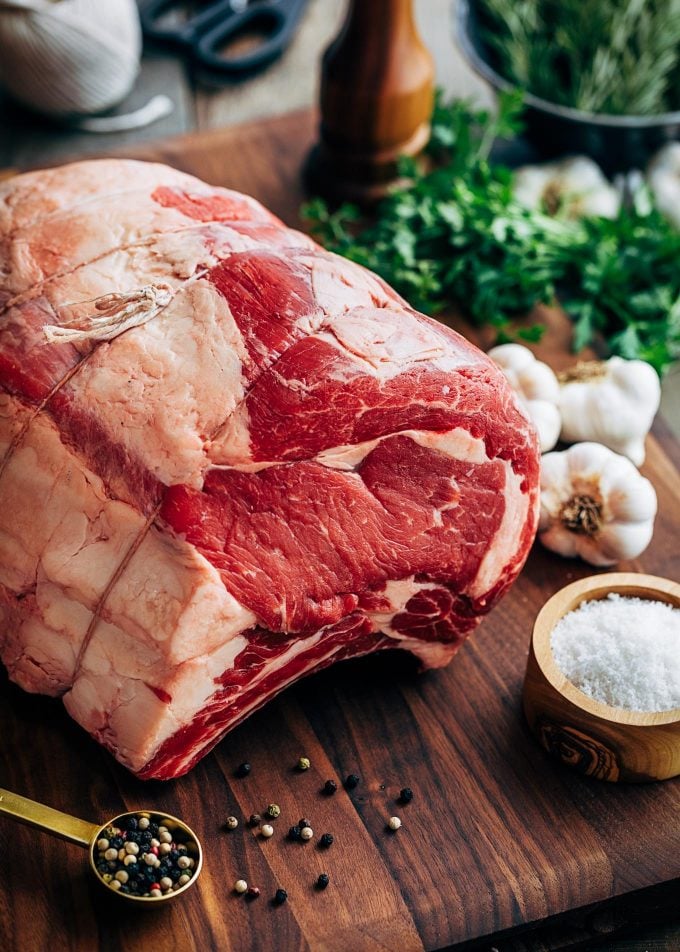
[(663, 178), (595, 504), (611, 402), (536, 385), (574, 188)]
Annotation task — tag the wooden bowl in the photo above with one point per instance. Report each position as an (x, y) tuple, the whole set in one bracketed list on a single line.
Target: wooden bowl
[(608, 743)]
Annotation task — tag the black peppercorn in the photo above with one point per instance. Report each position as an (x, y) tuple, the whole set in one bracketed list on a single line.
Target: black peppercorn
[(294, 833), (280, 897), (303, 823), (243, 770), (405, 795), (254, 819), (330, 787), (131, 823), (326, 840), (323, 881), (351, 781)]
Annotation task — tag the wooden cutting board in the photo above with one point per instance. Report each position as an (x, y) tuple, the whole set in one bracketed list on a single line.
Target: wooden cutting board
[(499, 839)]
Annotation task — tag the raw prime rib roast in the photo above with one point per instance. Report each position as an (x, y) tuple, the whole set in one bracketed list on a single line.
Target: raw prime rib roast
[(228, 459)]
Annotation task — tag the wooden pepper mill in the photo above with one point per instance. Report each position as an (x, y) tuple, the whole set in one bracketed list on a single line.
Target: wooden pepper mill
[(377, 86)]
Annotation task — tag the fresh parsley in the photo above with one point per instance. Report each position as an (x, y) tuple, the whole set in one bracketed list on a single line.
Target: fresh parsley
[(455, 235)]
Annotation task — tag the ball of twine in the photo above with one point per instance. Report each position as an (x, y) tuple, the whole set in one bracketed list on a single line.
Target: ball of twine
[(69, 57)]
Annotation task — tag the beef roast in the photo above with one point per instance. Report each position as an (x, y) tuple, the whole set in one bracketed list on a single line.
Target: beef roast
[(229, 458)]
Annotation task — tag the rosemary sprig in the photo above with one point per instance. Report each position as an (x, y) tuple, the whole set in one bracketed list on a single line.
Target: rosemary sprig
[(607, 56)]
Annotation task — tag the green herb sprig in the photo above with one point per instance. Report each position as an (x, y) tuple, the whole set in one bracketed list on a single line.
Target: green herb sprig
[(607, 56), (456, 236)]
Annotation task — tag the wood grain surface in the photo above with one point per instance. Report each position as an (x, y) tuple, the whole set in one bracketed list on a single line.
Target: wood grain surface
[(498, 839)]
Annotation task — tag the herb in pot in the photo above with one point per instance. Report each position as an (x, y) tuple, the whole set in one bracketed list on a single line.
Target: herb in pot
[(603, 56)]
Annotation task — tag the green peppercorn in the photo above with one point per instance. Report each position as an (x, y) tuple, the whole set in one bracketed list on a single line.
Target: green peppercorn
[(273, 810), (304, 763)]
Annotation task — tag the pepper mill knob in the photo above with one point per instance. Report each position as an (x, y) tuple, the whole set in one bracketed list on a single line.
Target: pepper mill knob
[(377, 87)]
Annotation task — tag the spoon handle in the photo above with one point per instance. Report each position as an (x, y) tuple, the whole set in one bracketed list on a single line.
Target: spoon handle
[(45, 818)]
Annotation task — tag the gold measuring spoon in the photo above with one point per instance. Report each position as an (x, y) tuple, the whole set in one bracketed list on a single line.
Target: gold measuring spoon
[(92, 837)]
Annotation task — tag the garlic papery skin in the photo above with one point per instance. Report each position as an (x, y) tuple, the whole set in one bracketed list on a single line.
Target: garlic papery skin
[(537, 387), (612, 402), (573, 188), (663, 178), (595, 505)]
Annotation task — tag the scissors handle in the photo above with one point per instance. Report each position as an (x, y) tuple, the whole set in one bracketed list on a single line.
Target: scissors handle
[(151, 11), (274, 21)]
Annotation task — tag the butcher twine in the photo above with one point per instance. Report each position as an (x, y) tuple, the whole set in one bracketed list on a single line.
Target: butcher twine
[(72, 58)]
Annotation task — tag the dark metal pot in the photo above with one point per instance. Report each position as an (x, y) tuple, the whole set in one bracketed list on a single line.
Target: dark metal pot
[(616, 143)]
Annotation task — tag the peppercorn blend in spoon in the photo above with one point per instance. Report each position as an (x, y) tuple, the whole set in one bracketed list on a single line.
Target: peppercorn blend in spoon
[(141, 856)]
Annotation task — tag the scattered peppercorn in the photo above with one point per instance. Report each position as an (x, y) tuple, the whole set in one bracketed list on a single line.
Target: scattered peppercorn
[(280, 897), (405, 795), (294, 833), (330, 787), (231, 823), (304, 763), (302, 823), (267, 830), (252, 892), (273, 810), (351, 781), (323, 881), (255, 819), (240, 886), (306, 833), (243, 770), (326, 840), (394, 823)]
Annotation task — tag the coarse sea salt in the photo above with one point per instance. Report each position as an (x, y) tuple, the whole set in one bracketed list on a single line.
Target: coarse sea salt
[(622, 651)]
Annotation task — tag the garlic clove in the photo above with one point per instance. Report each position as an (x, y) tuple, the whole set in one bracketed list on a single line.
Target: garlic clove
[(595, 504), (611, 402), (620, 541), (537, 387), (567, 546), (573, 188), (538, 382), (548, 422), (630, 507)]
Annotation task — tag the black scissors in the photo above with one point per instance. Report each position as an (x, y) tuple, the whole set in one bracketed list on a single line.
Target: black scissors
[(219, 24)]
